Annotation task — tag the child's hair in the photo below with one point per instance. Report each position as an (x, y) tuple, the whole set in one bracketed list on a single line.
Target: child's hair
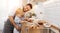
[(28, 15)]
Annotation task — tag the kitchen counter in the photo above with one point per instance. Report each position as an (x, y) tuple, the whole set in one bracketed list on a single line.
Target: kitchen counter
[(40, 29)]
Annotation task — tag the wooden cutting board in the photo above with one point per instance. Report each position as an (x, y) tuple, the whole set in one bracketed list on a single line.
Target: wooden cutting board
[(31, 30), (36, 30)]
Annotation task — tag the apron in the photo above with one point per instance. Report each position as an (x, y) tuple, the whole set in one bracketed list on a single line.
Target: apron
[(8, 27)]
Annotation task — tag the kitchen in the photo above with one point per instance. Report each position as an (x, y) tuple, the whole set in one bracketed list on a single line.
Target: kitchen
[(50, 11)]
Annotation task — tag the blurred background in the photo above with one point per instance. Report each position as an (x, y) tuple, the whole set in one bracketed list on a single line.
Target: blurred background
[(51, 9)]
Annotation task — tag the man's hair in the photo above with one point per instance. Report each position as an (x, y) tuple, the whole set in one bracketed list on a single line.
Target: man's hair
[(30, 5)]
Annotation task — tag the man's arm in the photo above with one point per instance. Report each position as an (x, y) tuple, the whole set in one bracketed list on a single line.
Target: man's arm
[(11, 18), (14, 24), (12, 21)]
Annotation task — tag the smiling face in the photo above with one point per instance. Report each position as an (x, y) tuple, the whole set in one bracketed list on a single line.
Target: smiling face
[(27, 8)]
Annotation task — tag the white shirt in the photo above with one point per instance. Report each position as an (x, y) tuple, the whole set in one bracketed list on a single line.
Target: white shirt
[(12, 13)]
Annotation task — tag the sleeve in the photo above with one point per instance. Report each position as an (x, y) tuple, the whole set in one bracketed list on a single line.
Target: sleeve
[(12, 13)]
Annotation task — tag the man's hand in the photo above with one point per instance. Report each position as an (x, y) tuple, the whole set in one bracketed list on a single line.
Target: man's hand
[(18, 28)]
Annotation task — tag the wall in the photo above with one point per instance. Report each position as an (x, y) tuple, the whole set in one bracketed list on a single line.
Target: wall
[(3, 11), (6, 7), (52, 13)]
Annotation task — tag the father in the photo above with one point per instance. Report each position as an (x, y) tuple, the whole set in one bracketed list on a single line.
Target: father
[(10, 23)]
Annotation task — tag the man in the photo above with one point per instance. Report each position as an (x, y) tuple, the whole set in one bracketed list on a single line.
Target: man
[(10, 23)]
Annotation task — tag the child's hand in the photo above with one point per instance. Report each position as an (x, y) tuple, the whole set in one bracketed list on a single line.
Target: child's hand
[(23, 21), (29, 20)]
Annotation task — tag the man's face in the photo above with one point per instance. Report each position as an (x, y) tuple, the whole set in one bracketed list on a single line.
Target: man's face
[(27, 8)]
